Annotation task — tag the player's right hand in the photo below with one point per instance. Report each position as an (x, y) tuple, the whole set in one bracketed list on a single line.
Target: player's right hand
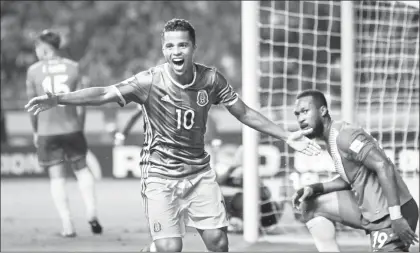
[(402, 229), (41, 103), (298, 141), (119, 139), (301, 195)]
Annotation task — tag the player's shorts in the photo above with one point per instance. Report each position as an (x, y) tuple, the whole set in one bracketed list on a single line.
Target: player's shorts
[(381, 235), (56, 149), (172, 204)]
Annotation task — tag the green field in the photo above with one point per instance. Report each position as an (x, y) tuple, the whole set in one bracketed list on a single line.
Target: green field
[(30, 222)]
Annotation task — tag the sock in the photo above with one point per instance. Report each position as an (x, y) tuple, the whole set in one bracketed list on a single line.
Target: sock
[(323, 233), (59, 195), (86, 183), (153, 247)]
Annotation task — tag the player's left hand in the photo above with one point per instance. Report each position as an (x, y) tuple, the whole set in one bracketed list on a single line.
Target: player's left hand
[(298, 141), (41, 103), (301, 195), (404, 232)]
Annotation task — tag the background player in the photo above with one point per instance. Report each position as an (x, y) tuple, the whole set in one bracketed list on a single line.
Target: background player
[(58, 133), (178, 185), (368, 194), (119, 137)]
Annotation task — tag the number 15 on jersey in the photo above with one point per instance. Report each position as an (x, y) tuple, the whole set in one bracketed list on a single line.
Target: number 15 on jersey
[(56, 84)]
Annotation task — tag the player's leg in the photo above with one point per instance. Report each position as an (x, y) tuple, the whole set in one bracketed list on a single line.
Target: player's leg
[(207, 211), (76, 150), (163, 212), (51, 156), (320, 213), (216, 239)]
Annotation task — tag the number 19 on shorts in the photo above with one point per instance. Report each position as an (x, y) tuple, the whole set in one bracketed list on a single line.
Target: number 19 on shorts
[(379, 239)]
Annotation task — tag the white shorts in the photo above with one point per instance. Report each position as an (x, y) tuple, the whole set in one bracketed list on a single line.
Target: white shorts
[(172, 204)]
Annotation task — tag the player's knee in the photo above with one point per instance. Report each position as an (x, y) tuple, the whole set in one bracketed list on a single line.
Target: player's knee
[(78, 164), (57, 171), (216, 240), (169, 244)]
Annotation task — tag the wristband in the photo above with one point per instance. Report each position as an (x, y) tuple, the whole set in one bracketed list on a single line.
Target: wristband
[(395, 212), (318, 188), (300, 192)]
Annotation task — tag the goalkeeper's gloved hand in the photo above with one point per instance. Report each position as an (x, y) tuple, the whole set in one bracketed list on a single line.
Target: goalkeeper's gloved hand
[(119, 139), (306, 193)]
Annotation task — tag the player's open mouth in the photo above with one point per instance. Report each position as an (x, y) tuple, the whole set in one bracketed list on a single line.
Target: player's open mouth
[(178, 63)]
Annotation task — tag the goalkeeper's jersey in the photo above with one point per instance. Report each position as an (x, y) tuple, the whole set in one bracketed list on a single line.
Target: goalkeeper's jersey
[(57, 75), (175, 118), (349, 147)]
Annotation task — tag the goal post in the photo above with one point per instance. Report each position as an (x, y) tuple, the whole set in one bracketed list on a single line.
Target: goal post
[(347, 61), (363, 55), (250, 137)]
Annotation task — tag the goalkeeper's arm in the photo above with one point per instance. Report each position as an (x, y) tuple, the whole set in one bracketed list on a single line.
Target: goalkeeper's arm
[(336, 184)]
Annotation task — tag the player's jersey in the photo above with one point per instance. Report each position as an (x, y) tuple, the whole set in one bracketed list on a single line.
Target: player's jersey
[(175, 118), (55, 75), (349, 147)]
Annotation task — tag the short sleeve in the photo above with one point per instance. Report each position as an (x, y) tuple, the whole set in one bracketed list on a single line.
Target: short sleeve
[(224, 92), (134, 89), (356, 143)]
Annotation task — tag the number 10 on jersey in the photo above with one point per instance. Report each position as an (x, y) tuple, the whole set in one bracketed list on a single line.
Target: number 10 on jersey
[(185, 119)]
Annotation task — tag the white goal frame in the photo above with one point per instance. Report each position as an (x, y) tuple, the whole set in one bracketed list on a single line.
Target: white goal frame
[(250, 95)]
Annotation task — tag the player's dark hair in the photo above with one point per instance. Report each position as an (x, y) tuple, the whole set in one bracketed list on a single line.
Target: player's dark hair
[(317, 96), (51, 38), (177, 24)]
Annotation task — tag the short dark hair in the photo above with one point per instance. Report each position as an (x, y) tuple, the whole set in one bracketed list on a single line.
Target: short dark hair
[(177, 24), (51, 38), (317, 95)]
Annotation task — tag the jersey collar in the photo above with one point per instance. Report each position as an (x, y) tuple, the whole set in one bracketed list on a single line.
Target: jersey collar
[(177, 83)]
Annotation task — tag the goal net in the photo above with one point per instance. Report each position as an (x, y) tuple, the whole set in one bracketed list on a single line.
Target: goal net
[(300, 49)]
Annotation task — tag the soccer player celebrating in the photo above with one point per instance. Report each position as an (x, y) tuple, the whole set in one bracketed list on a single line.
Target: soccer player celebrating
[(368, 194), (58, 133), (178, 186)]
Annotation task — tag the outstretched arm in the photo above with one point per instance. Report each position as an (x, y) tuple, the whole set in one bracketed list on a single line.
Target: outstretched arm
[(257, 121), (224, 93), (89, 96), (135, 89)]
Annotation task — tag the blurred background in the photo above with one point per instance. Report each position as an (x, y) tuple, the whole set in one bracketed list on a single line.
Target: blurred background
[(300, 48)]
